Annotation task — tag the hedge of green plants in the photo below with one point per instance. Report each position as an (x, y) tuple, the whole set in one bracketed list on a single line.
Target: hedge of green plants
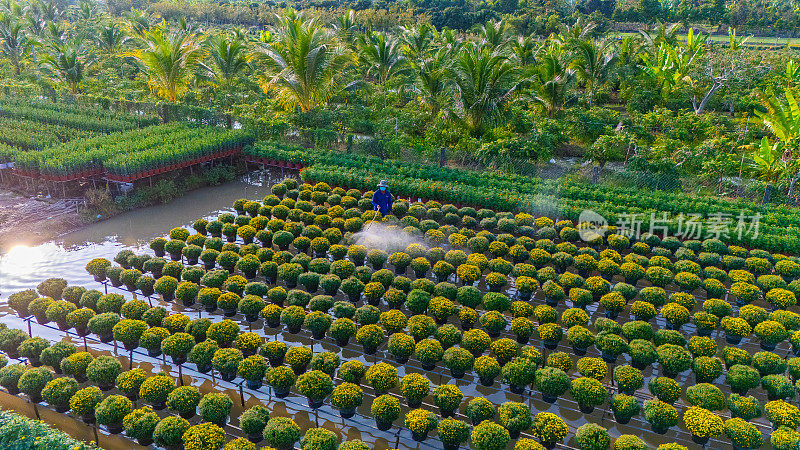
[(779, 228), (22, 433), (73, 116), (477, 293), (133, 152), (31, 135)]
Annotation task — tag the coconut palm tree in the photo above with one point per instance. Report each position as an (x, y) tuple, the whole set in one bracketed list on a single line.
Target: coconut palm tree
[(67, 65), (303, 62), (169, 58), (346, 29), (551, 80), (430, 80), (592, 64), (110, 37), (228, 62), (493, 33), (525, 49), (485, 82), (381, 56), (418, 42), (13, 38)]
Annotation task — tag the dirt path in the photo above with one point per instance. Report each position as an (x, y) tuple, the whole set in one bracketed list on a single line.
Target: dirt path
[(26, 220)]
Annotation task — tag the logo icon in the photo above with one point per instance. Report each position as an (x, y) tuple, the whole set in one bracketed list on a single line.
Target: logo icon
[(591, 225)]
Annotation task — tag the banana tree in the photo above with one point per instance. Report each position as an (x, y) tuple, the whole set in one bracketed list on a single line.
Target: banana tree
[(783, 119), (769, 162)]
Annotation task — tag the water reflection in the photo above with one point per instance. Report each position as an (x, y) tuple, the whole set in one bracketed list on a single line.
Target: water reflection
[(23, 266)]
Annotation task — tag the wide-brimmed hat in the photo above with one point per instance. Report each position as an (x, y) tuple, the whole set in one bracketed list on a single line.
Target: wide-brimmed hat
[(383, 183)]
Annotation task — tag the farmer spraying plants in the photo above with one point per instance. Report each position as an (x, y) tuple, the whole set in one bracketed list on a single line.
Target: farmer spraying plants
[(382, 199)]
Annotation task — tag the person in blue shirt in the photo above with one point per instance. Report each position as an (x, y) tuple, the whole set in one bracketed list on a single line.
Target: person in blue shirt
[(382, 199)]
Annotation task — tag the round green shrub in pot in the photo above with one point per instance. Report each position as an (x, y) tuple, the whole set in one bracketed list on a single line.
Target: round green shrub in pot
[(316, 386), (370, 337), (9, 377), (253, 421), (203, 436), (38, 308), (479, 409), (202, 355), (226, 361), (382, 377), (420, 422), (253, 369), (628, 379), (319, 439), (104, 371), (771, 334), (448, 398), (57, 312), (385, 409), (84, 402), (52, 287), (223, 333), (53, 355), (631, 442), (624, 407), (166, 286), (281, 379), (590, 436), (346, 397), (298, 358), (742, 378), (129, 332), (156, 389), (130, 382), (660, 415), (549, 428), (515, 417), (140, 424), (489, 436), (184, 401), (59, 391), (281, 433), (743, 434), (215, 408), (97, 267), (111, 411), (170, 430), (32, 349), (552, 383), (519, 373), (588, 392), (703, 424), (674, 359), (459, 361)]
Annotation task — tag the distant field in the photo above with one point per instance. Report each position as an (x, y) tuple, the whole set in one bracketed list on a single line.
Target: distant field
[(753, 41)]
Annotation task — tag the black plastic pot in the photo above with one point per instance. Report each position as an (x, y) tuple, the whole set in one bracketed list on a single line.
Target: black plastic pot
[(228, 376), (383, 426), (281, 393), (158, 406), (191, 261), (347, 413)]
